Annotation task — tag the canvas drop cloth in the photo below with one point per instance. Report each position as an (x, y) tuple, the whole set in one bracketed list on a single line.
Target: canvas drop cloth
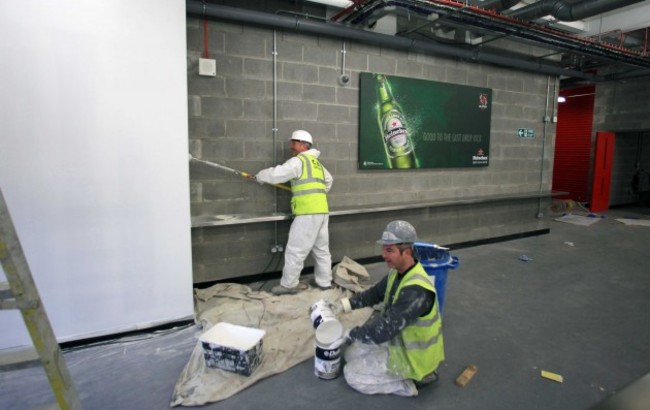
[(289, 338), (634, 221), (578, 219)]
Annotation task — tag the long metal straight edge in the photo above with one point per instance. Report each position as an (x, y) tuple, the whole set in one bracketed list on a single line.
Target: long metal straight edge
[(24, 291)]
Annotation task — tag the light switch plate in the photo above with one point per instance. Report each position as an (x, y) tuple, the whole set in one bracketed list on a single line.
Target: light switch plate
[(207, 66)]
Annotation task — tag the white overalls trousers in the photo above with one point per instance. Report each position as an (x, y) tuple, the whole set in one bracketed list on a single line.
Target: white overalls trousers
[(308, 233)]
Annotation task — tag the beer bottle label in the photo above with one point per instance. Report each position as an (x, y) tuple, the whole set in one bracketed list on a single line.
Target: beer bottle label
[(396, 134)]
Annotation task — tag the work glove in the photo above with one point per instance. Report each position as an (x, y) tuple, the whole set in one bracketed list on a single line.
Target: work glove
[(346, 337), (341, 306)]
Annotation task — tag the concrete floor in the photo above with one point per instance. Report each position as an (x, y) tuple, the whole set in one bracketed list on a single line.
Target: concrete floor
[(580, 308)]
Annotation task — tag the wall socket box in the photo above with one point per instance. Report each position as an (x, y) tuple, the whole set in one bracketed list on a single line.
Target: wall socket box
[(207, 66)]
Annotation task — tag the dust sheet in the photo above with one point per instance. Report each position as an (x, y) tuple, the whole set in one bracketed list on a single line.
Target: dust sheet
[(289, 338), (578, 219), (634, 221)]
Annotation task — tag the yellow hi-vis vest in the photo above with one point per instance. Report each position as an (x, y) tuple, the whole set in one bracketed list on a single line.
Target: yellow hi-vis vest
[(309, 196), (418, 349)]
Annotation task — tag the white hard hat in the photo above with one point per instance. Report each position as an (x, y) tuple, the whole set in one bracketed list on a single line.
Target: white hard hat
[(302, 135), (398, 232)]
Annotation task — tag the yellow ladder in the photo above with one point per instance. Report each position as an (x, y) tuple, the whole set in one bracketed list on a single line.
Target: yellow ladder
[(20, 293)]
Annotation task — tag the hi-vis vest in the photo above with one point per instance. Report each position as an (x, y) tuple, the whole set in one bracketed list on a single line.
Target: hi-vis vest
[(309, 190), (418, 349)]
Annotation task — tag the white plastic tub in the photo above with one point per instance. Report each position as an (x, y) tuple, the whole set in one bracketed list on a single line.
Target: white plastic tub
[(233, 348)]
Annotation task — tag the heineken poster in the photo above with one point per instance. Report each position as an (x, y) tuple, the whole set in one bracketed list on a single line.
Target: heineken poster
[(409, 123)]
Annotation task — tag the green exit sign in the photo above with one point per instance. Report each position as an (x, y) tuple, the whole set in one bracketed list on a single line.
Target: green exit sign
[(526, 133)]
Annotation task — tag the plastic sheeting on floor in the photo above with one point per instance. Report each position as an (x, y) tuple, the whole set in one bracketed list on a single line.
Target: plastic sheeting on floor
[(634, 221), (289, 337), (578, 219)]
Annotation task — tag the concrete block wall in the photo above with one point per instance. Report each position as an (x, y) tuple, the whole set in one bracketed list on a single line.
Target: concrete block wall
[(630, 148), (231, 122), (623, 107)]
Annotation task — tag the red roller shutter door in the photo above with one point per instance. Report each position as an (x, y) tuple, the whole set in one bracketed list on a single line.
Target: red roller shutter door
[(573, 143)]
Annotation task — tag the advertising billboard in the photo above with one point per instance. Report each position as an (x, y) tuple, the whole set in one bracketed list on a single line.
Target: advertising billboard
[(407, 123)]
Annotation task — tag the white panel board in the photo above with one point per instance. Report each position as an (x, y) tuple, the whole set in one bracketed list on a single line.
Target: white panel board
[(93, 160)]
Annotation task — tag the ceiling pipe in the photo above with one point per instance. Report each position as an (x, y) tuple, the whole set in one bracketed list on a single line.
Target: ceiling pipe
[(340, 31), (489, 5), (496, 5), (565, 11), (626, 76), (495, 24)]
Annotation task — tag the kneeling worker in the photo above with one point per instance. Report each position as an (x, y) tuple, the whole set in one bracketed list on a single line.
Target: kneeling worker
[(399, 348)]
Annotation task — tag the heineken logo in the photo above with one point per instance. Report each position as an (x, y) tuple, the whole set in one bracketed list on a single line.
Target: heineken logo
[(395, 132), (483, 101), (372, 163), (480, 157)]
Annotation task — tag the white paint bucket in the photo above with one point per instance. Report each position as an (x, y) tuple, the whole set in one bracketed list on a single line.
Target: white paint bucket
[(328, 328), (327, 359), (329, 338)]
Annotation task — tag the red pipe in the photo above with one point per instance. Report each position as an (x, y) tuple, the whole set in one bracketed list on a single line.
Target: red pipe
[(349, 9)]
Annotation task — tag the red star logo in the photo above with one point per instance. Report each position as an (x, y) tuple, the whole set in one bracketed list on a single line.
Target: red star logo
[(480, 152)]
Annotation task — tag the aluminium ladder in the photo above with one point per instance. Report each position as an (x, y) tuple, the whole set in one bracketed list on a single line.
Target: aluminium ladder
[(20, 292)]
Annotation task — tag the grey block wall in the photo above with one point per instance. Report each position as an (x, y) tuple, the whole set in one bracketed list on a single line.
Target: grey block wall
[(623, 107), (630, 148), (231, 122)]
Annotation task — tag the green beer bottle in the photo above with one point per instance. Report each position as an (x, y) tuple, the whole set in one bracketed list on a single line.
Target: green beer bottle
[(397, 141)]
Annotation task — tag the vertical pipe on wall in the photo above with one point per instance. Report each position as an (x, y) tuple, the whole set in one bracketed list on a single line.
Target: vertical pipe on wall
[(540, 214), (343, 51), (554, 97), (274, 130)]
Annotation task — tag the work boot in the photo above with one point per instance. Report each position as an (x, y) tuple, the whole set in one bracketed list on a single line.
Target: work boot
[(428, 379), (312, 283), (281, 290)]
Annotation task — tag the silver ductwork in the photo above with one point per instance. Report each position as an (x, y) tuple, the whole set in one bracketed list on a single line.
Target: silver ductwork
[(497, 25), (565, 11)]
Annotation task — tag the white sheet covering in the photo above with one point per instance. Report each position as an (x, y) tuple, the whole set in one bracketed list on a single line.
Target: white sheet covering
[(634, 221), (289, 337), (578, 219)]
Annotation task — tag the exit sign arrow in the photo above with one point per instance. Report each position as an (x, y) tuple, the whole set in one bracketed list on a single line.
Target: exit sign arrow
[(526, 133)]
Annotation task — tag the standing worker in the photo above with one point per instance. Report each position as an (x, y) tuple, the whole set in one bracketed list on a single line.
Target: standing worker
[(309, 232), (399, 348)]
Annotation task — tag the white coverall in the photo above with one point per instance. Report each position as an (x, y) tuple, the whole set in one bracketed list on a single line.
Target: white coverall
[(308, 233)]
